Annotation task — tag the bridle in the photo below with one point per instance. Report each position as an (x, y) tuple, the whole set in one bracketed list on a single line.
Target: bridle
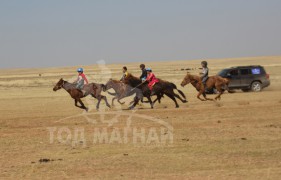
[(192, 80)]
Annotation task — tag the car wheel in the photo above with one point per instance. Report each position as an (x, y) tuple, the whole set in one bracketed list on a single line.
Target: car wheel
[(256, 86)]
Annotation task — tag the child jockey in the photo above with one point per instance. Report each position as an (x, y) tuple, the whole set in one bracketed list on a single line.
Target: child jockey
[(81, 80), (151, 79), (125, 73), (205, 72), (144, 73)]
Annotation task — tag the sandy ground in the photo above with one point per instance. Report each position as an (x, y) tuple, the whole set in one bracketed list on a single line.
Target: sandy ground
[(235, 138)]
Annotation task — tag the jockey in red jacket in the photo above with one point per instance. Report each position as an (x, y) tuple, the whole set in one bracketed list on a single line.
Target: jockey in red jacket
[(151, 79)]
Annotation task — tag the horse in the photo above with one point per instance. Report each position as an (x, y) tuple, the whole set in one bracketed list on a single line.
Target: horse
[(123, 90), (92, 89), (161, 88), (221, 84)]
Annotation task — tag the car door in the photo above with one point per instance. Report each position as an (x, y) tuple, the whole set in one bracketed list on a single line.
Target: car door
[(246, 77), (235, 80)]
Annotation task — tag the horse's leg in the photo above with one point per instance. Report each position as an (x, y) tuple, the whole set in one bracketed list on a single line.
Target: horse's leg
[(136, 101), (150, 101), (112, 103), (218, 97), (120, 101), (159, 96), (173, 98), (105, 99), (177, 96), (121, 97), (198, 96), (82, 104), (209, 99), (75, 100), (132, 102), (155, 100), (98, 104)]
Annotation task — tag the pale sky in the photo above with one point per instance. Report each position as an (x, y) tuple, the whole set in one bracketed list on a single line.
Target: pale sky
[(50, 33)]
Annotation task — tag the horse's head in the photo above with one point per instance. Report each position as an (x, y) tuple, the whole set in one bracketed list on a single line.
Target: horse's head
[(186, 80), (132, 80), (59, 85)]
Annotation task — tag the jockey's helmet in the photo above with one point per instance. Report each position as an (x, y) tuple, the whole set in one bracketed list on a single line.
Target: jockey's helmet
[(149, 69), (80, 70)]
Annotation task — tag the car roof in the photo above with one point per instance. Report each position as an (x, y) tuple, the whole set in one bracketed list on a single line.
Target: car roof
[(251, 66)]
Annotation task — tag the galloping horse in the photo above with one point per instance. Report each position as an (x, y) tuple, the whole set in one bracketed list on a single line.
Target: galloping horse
[(92, 89), (161, 88), (221, 84), (123, 90)]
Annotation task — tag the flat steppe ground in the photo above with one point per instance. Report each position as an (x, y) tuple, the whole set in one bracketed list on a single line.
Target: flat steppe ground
[(238, 137)]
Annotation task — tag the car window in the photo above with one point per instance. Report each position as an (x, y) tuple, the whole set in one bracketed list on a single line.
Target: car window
[(245, 71), (222, 73), (234, 72), (256, 71)]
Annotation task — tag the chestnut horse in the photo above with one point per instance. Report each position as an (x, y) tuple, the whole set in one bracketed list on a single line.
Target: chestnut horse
[(221, 84), (92, 89)]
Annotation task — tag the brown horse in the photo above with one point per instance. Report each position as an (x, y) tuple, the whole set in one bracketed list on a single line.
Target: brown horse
[(161, 88), (92, 89), (221, 84)]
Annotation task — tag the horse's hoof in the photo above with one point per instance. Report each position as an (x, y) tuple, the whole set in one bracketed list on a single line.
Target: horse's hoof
[(177, 106), (184, 101)]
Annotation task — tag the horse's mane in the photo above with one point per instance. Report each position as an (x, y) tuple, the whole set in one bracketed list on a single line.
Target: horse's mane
[(132, 80), (115, 81), (131, 76), (194, 77)]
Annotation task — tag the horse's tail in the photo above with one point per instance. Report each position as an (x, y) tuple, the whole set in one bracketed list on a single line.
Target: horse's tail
[(226, 86), (181, 93)]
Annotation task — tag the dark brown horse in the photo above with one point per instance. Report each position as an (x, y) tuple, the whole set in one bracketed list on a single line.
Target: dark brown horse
[(161, 88), (221, 84), (92, 89)]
